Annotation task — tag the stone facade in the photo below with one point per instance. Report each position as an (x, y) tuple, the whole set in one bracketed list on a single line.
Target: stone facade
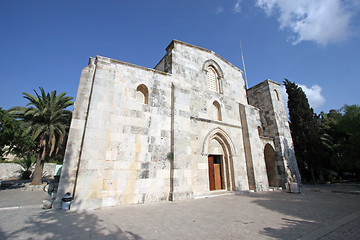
[(187, 128)]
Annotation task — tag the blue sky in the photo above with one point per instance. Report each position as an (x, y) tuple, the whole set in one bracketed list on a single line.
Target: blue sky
[(313, 43)]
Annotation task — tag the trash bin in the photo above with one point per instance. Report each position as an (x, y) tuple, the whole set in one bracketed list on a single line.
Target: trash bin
[(66, 201)]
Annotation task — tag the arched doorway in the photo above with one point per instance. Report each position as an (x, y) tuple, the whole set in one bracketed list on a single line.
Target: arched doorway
[(271, 169), (219, 150)]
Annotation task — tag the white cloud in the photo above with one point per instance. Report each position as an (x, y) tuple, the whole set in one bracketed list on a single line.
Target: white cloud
[(237, 7), (313, 94), (322, 21), (219, 9)]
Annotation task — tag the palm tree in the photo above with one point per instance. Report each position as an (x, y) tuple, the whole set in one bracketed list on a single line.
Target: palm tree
[(48, 122), (26, 163)]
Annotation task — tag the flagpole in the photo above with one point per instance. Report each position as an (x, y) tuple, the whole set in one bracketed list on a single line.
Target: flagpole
[(243, 62)]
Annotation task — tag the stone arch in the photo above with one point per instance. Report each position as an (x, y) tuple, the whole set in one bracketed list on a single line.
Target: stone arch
[(210, 65), (221, 135), (271, 167), (228, 150), (142, 94)]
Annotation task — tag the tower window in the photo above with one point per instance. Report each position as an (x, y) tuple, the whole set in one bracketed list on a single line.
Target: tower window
[(142, 94), (276, 95), (212, 79)]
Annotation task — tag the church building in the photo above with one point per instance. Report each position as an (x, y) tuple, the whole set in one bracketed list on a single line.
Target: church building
[(188, 128)]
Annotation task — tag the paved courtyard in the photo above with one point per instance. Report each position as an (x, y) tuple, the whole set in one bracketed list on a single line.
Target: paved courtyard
[(320, 212)]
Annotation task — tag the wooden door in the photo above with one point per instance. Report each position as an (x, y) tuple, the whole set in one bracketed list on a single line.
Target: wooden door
[(217, 176), (211, 173)]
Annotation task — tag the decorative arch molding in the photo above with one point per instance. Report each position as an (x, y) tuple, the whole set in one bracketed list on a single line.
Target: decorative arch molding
[(214, 64), (220, 75), (223, 138), (266, 141), (227, 158)]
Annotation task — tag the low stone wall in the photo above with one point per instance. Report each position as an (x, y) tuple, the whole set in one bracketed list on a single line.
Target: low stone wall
[(13, 170)]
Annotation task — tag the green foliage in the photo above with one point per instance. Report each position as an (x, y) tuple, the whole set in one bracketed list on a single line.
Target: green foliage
[(170, 156), (12, 137), (349, 125), (343, 130), (48, 120), (48, 123), (305, 129), (26, 162), (330, 135), (326, 145)]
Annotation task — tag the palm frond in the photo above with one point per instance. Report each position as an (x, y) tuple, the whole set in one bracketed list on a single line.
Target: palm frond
[(47, 120)]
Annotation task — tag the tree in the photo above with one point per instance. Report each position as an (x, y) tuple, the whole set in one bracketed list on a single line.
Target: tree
[(349, 126), (48, 121), (12, 139), (342, 130), (26, 163), (304, 129), (330, 135)]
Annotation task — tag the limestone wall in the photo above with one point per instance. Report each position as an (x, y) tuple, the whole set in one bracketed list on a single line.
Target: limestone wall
[(13, 170), (187, 69), (131, 146), (72, 156), (124, 152), (194, 121), (267, 97), (254, 148), (192, 134)]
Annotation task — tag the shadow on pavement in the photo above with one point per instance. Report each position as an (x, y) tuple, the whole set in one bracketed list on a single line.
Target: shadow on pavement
[(289, 231), (307, 211), (66, 225), (21, 183), (2, 234), (13, 184)]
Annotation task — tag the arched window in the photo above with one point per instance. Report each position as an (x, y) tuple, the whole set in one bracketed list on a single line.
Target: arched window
[(214, 76), (259, 131), (259, 97), (216, 111), (212, 79), (276, 95), (142, 94)]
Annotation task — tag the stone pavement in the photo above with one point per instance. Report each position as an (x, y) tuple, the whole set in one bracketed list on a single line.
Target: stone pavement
[(316, 213), (20, 198), (348, 188)]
